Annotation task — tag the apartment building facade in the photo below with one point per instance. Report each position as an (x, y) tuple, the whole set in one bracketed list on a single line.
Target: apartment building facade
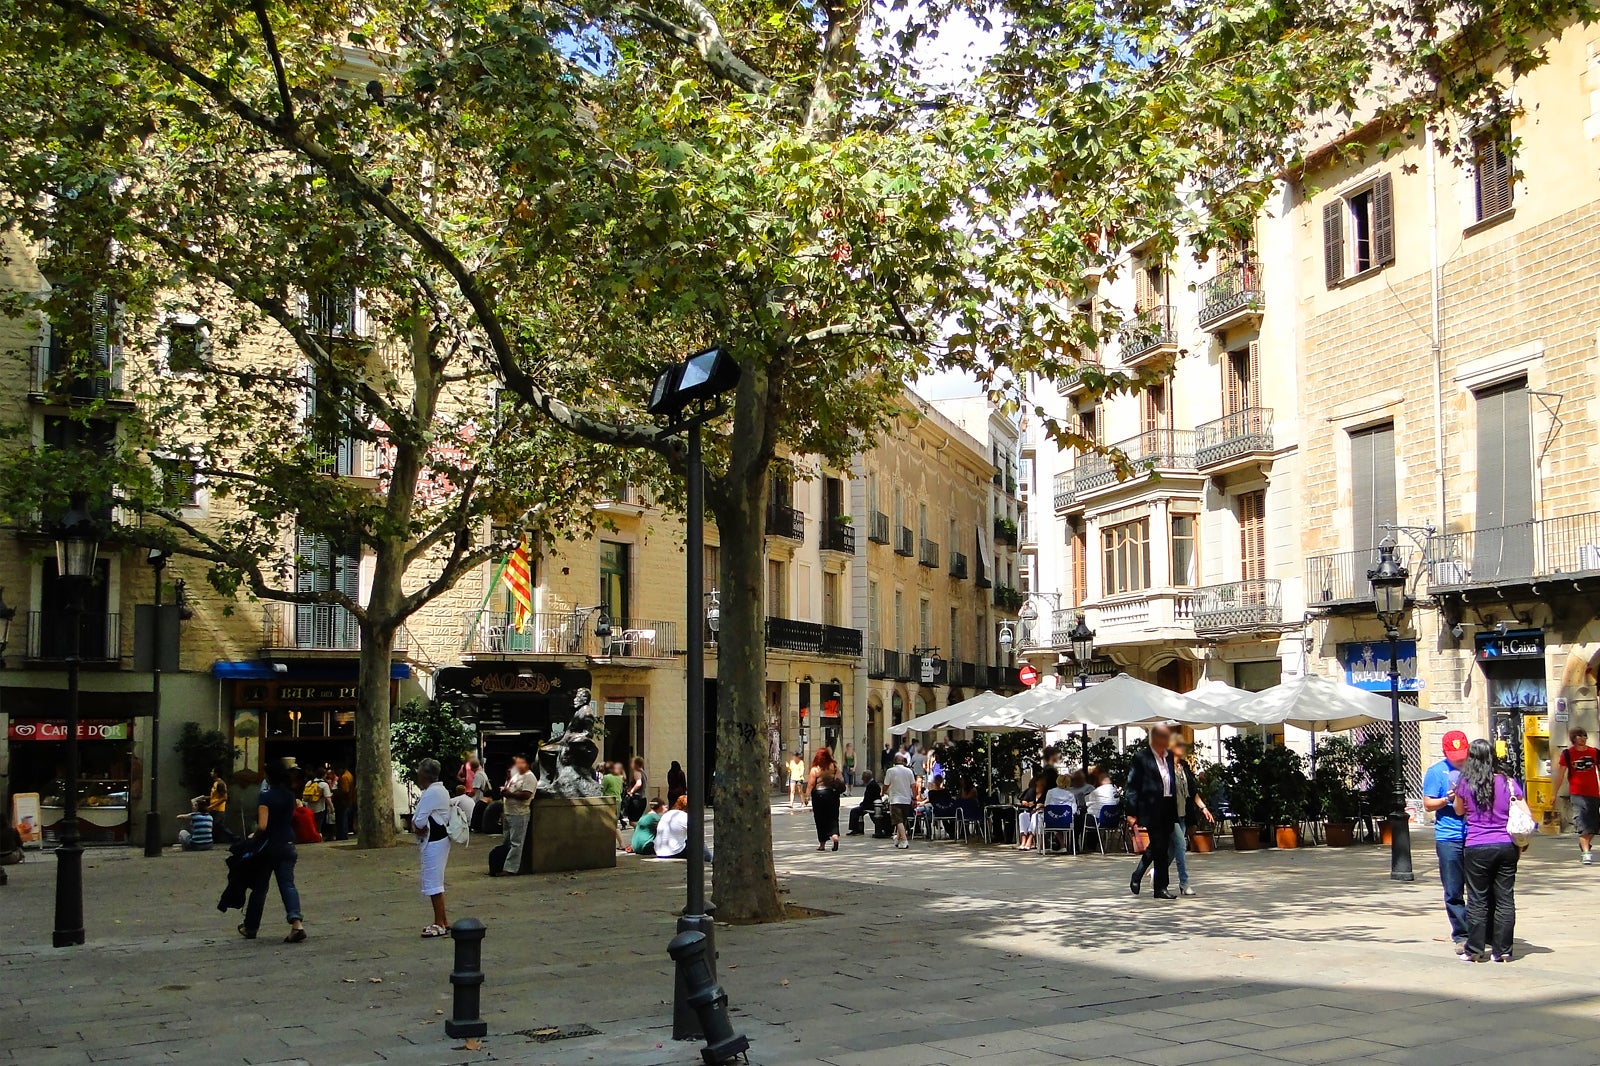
[(1445, 311)]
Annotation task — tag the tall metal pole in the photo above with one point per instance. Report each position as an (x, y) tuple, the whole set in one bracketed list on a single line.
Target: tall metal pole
[(152, 814), (1399, 823), (685, 1020), (69, 853)]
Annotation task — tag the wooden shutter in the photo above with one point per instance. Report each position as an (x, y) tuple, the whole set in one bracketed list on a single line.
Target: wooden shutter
[(1253, 535), (1383, 221), (346, 579), (1503, 544), (1373, 502), (313, 559), (1080, 568), (1252, 374), (1333, 241), (1492, 163), (1241, 390)]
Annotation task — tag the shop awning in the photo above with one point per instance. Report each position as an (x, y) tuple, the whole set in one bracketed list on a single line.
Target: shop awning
[(262, 670)]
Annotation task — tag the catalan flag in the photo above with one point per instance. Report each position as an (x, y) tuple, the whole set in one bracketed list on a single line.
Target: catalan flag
[(519, 580)]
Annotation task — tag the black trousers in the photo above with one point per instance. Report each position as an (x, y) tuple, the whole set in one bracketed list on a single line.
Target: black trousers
[(1159, 853), (858, 818), (1491, 897), (825, 812)]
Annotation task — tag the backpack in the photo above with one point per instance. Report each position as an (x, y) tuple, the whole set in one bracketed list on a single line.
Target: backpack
[(311, 795), (460, 830)]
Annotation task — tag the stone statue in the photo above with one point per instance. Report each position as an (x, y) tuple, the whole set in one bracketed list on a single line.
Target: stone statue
[(574, 754)]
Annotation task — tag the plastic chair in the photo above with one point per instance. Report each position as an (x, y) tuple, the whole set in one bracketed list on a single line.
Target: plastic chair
[(1058, 819), (1110, 822), (949, 816)]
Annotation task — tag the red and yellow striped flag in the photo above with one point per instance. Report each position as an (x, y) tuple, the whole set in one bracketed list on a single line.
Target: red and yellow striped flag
[(519, 579)]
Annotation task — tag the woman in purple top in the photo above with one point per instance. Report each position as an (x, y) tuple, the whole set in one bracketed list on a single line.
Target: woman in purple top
[(1483, 797)]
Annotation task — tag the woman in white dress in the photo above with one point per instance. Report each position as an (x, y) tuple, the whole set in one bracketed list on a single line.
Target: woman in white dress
[(431, 822)]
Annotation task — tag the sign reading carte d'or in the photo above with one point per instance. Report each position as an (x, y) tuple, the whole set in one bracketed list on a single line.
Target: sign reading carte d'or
[(35, 729)]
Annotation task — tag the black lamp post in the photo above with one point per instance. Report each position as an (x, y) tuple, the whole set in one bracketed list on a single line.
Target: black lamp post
[(152, 815), (686, 394), (1082, 639), (1392, 604), (77, 546)]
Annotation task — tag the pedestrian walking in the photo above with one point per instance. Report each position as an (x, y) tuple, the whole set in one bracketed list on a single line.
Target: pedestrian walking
[(901, 786), (885, 760), (797, 781), (1483, 798), (344, 800), (826, 788), (275, 808), (317, 797), (521, 785), (1191, 809), (431, 823), (637, 795), (677, 783), (1579, 770), (1449, 831), (1153, 797), (849, 763)]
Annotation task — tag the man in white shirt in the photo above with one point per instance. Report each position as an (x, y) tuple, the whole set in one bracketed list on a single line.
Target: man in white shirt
[(521, 785), (899, 784)]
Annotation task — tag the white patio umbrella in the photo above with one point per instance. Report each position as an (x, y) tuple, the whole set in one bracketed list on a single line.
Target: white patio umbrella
[(1322, 705), (940, 718), (1219, 694), (1122, 701)]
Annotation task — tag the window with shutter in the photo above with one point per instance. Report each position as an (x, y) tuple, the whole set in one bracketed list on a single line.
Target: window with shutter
[(1373, 504), (1333, 241), (1383, 221), (1491, 161), (1253, 535), (1080, 567), (1155, 408), (1241, 389), (1503, 543)]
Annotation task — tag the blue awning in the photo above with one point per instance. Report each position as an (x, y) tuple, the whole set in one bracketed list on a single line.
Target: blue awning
[(262, 670)]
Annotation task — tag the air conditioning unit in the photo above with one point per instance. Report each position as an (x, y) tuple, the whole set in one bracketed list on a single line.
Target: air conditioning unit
[(1449, 572), (1589, 557)]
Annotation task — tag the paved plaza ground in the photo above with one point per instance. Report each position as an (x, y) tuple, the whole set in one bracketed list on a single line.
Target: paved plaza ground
[(949, 954)]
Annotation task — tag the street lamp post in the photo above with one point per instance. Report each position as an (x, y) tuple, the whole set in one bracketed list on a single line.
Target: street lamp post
[(1392, 604), (152, 814), (77, 546), (1082, 639)]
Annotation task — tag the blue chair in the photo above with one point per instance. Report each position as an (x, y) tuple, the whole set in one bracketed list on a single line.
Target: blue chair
[(971, 812), (1058, 820), (948, 815), (1110, 823)]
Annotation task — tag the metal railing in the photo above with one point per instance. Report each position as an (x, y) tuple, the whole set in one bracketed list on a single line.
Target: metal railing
[(965, 674), (1236, 289), (787, 522), (1005, 531), (1008, 598), (1063, 621), (1152, 450), (928, 555), (906, 545), (314, 627), (1241, 433), (1341, 577), (52, 372), (1238, 606), (1543, 548), (1147, 331), (570, 633), (1026, 532), (50, 636), (1071, 381), (789, 634), (888, 664), (878, 528), (1066, 493), (958, 566), (839, 535)]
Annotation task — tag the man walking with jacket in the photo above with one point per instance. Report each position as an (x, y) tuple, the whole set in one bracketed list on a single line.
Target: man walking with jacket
[(1152, 798)]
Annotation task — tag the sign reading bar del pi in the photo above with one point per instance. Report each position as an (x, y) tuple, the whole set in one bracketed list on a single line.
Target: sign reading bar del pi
[(1366, 665)]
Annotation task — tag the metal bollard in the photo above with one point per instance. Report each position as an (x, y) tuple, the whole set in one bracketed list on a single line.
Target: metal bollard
[(706, 997), (467, 977)]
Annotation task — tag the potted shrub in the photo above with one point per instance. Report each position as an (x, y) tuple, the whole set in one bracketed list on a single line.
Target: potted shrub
[(1376, 760), (1333, 783), (1286, 791), (1203, 834), (1245, 781)]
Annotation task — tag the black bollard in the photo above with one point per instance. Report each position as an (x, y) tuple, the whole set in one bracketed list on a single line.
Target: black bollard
[(706, 997), (467, 977)]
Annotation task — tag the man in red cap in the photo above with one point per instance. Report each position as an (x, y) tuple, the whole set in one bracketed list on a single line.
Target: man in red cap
[(1449, 831), (1579, 769)]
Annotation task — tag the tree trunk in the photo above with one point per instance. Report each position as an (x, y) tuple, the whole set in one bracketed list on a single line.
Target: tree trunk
[(375, 826)]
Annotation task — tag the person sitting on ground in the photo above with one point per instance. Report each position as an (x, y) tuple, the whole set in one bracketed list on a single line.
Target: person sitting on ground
[(644, 834), (198, 836), (672, 832), (872, 793)]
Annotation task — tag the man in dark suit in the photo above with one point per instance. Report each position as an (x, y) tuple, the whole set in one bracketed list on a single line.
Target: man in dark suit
[(869, 800), (1152, 801)]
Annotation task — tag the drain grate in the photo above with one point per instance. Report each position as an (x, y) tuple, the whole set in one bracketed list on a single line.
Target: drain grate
[(544, 1034)]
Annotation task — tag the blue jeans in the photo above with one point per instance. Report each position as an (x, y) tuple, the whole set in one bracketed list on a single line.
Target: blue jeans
[(1453, 875), (342, 819), (283, 870), (1180, 851)]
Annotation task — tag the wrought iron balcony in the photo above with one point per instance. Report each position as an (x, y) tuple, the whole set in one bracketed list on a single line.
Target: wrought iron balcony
[(839, 535), (1243, 606), (568, 633), (1233, 438), (1149, 333), (1231, 297), (878, 528), (1071, 383), (1066, 493), (964, 674), (1542, 550), (1007, 598), (958, 566), (787, 522), (789, 634), (53, 374), (1154, 451), (906, 545), (928, 556), (1005, 531), (889, 665), (50, 636), (1339, 579)]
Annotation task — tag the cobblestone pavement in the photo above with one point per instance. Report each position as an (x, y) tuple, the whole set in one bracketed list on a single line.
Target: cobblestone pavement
[(946, 954)]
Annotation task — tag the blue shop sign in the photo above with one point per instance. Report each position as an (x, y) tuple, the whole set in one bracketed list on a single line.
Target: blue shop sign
[(1366, 665)]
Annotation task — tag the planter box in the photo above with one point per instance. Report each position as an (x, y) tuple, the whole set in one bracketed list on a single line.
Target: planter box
[(1340, 834), (1286, 836), (576, 833), (1385, 833), (1246, 838), (1202, 841)]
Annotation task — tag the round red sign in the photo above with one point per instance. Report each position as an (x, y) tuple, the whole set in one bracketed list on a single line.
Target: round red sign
[(1027, 675)]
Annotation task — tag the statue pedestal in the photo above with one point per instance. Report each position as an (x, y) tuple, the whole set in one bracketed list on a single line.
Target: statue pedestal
[(572, 834)]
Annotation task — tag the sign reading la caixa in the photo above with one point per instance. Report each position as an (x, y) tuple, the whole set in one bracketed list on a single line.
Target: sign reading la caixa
[(1366, 665)]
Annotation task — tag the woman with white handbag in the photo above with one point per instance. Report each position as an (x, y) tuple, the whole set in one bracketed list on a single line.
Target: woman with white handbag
[(1499, 826)]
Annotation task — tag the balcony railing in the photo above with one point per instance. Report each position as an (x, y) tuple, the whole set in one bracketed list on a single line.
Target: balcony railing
[(964, 674), (906, 545), (1543, 549), (958, 566), (1005, 531), (50, 636), (1063, 620), (1239, 435), (1149, 332), (1025, 529), (1008, 598), (53, 372), (1066, 493), (787, 522), (890, 665), (1071, 382), (570, 633), (1340, 578), (1158, 450), (789, 634), (838, 536), (1230, 296), (878, 528), (313, 627), (1144, 613), (928, 555), (1238, 606)]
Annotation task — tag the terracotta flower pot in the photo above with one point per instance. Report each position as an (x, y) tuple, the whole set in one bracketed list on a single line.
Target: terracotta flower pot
[(1385, 833), (1246, 838), (1287, 836), (1203, 841), (1340, 834)]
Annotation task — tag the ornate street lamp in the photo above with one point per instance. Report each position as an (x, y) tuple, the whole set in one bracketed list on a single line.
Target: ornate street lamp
[(1081, 637), (713, 614), (77, 540), (1392, 604)]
